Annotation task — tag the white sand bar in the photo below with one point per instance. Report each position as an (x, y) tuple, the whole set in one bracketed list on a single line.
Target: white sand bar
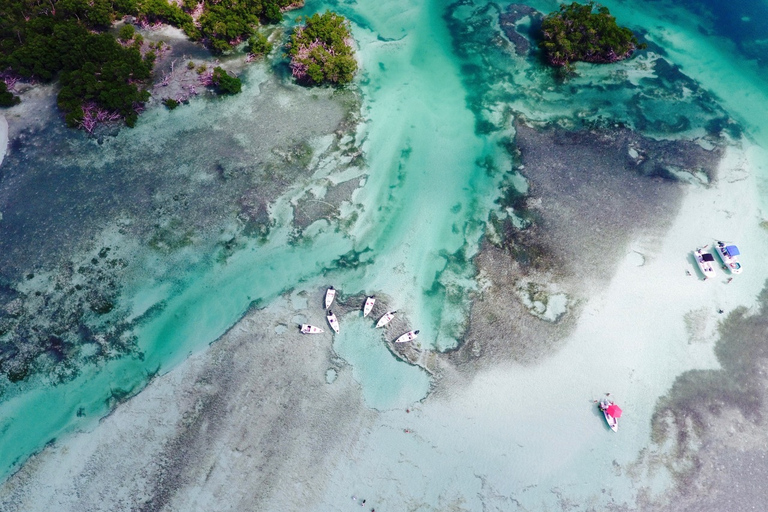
[(3, 137)]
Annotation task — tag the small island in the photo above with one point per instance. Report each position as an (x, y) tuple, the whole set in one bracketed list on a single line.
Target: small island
[(321, 50), (587, 33)]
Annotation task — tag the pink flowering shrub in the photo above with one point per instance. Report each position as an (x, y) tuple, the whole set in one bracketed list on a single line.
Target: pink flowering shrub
[(94, 115)]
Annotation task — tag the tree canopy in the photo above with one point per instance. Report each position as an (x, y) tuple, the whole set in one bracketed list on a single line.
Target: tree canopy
[(7, 99), (101, 78), (46, 40), (585, 32), (224, 23), (105, 77), (224, 83), (321, 50)]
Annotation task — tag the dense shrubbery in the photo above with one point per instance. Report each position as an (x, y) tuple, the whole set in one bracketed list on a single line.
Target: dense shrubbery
[(7, 99), (162, 11), (258, 44), (126, 32), (103, 79), (98, 76), (321, 50), (224, 83), (227, 22), (577, 33)]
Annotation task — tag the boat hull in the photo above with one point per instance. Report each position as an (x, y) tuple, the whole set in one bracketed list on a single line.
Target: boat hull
[(368, 306), (731, 261), (330, 294), (613, 423), (706, 266), (333, 321), (384, 320), (409, 336), (310, 329)]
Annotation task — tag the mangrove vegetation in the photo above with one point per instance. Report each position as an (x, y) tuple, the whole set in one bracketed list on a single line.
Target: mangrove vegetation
[(105, 74), (585, 32), (321, 50)]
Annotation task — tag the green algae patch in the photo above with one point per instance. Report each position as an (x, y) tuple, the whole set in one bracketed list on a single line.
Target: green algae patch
[(171, 238)]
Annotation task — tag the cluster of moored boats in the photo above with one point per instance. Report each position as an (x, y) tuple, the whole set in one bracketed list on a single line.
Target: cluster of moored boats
[(330, 295), (728, 254)]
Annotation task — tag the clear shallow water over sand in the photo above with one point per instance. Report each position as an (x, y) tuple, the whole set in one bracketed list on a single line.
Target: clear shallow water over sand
[(431, 180)]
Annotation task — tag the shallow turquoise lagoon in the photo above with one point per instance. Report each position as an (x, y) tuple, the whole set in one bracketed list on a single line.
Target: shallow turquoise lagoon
[(387, 383), (431, 179), (425, 199)]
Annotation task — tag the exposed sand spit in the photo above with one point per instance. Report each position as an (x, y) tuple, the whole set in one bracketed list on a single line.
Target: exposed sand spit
[(3, 137)]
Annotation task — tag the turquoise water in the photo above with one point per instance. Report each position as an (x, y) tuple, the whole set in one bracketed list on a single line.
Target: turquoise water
[(386, 382), (438, 100), (425, 198)]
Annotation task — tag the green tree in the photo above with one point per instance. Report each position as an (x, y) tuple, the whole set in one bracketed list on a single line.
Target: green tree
[(224, 83), (92, 67), (225, 23), (258, 44), (126, 32), (585, 32), (321, 50), (7, 99)]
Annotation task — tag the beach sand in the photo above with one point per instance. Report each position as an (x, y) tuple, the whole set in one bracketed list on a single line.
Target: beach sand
[(3, 137)]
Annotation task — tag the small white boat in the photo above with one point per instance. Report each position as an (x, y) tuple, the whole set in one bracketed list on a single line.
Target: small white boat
[(310, 329), (368, 305), (384, 320), (330, 294), (729, 253), (612, 413), (705, 261), (332, 321), (410, 335)]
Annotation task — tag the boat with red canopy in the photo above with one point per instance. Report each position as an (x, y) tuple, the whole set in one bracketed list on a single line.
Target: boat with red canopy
[(612, 413)]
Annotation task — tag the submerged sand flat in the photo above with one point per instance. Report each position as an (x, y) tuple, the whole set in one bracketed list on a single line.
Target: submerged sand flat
[(235, 428), (538, 232), (268, 419)]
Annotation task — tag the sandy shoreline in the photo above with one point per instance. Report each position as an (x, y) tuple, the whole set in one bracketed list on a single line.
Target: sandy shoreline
[(3, 137)]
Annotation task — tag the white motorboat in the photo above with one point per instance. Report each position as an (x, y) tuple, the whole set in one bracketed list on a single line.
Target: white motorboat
[(612, 413), (705, 261), (410, 335), (330, 294), (384, 320), (368, 305), (310, 329), (729, 253), (333, 321)]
